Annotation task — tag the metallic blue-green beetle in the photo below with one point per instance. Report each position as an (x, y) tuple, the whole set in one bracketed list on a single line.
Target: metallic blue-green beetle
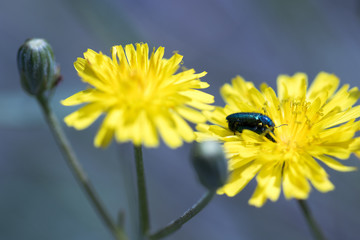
[(256, 122)]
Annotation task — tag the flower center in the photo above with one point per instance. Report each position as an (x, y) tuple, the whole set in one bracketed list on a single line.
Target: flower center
[(299, 115)]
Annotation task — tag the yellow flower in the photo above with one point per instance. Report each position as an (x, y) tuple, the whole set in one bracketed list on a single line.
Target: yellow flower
[(318, 125), (142, 97)]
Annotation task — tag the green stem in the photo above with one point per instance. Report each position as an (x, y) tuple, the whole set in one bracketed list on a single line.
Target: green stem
[(176, 224), (77, 169), (318, 235), (142, 196)]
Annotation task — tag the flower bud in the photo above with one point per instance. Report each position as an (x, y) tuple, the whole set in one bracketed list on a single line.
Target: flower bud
[(37, 66), (210, 164)]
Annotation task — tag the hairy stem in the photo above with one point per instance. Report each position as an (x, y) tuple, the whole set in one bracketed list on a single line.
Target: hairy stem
[(77, 169), (190, 213)]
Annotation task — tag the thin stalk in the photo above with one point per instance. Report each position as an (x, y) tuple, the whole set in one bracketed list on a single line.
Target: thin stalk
[(315, 230), (129, 187), (176, 224), (142, 195), (77, 169)]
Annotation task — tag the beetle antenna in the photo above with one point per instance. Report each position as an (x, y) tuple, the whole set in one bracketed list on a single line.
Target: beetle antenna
[(285, 124)]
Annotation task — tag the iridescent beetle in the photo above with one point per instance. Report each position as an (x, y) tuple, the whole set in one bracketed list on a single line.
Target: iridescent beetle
[(256, 122)]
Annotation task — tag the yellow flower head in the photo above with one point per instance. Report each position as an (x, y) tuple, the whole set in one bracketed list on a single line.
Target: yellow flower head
[(318, 125), (142, 97)]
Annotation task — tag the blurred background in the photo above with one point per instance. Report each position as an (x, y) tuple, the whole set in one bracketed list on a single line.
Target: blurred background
[(40, 199)]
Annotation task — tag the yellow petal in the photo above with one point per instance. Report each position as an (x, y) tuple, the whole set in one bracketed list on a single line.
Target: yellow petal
[(337, 150), (191, 114), (239, 179), (198, 96), (294, 87), (85, 116), (220, 131), (106, 131), (273, 106), (131, 55), (199, 105), (355, 145), (80, 64), (90, 55), (236, 161), (142, 56), (258, 199), (295, 184), (167, 130), (155, 59), (270, 179), (340, 118), (183, 128), (323, 87), (218, 116), (119, 57), (150, 135), (339, 99), (190, 79), (94, 81), (80, 97), (332, 163), (257, 99), (202, 127), (317, 175), (241, 86), (342, 133), (172, 65)]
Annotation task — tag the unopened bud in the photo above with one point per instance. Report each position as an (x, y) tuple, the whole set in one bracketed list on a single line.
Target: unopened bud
[(37, 66), (210, 164)]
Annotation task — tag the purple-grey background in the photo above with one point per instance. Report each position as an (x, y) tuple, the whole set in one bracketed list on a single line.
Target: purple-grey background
[(258, 39)]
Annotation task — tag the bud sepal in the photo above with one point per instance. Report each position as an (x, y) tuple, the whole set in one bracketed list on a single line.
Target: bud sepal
[(210, 164), (37, 67)]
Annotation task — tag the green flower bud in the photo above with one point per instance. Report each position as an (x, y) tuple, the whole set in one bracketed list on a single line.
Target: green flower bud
[(37, 66), (210, 164)]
